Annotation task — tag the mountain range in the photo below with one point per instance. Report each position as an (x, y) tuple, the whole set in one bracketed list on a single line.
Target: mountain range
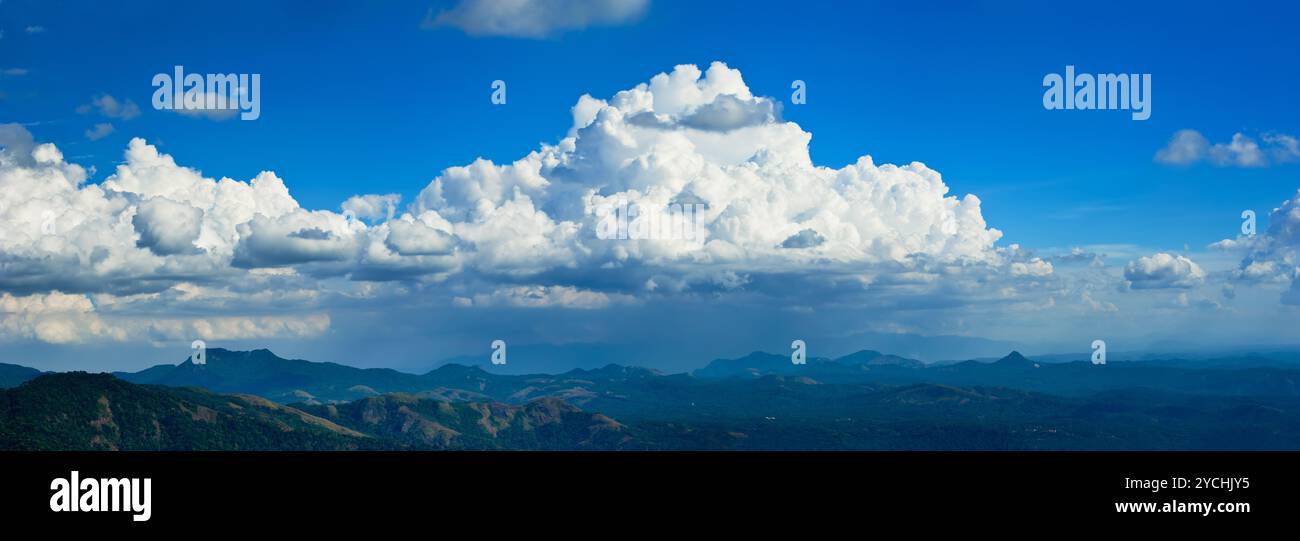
[(262, 373), (865, 400)]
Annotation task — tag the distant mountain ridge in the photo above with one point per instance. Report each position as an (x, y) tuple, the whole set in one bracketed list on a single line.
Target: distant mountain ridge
[(758, 364), (266, 374), (12, 375), (262, 373), (548, 358)]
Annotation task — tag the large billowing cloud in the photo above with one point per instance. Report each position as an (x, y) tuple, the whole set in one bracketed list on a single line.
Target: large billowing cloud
[(720, 194), (703, 138)]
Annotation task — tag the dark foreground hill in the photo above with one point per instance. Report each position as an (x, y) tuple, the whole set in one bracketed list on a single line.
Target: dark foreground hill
[(79, 411), (550, 423)]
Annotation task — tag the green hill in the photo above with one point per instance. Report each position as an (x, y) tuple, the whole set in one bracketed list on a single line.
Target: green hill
[(548, 423), (80, 411)]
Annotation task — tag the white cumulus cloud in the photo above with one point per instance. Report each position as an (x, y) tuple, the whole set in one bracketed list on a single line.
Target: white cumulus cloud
[(765, 220), (1163, 270)]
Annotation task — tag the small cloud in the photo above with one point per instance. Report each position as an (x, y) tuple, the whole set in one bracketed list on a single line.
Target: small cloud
[(538, 296), (100, 131), (1079, 255), (1186, 147), (1163, 271), (1283, 148), (1242, 151), (15, 72), (1035, 267), (110, 107), (533, 19), (35, 29), (1189, 146)]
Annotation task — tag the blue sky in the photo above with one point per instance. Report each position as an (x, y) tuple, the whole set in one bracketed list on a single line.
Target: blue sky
[(358, 98), (348, 84)]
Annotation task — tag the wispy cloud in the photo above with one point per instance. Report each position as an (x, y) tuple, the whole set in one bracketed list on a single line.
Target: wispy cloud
[(99, 131), (533, 18), (110, 107), (1187, 147)]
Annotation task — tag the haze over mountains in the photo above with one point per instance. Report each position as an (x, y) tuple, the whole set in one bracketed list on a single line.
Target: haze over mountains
[(866, 400), (682, 354), (262, 373)]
